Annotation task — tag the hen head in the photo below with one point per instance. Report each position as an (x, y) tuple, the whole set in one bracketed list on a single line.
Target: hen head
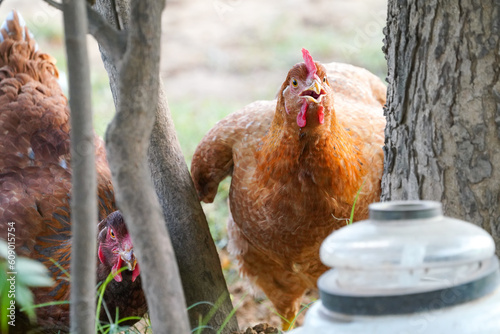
[(306, 96), (115, 246)]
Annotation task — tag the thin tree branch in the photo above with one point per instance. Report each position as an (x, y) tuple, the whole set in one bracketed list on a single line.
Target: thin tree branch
[(112, 40), (84, 179), (54, 4)]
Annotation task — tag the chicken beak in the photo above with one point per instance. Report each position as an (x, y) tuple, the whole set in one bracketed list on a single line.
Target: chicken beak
[(129, 258), (314, 93)]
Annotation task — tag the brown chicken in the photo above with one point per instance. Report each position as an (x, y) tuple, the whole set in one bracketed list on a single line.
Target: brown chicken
[(296, 164), (35, 184)]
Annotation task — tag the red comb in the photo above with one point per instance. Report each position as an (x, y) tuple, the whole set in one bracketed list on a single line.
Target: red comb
[(311, 67)]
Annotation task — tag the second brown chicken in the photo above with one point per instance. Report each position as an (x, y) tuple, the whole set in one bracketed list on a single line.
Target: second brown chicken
[(297, 164)]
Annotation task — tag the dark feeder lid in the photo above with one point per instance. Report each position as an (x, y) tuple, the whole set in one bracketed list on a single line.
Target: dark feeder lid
[(406, 258)]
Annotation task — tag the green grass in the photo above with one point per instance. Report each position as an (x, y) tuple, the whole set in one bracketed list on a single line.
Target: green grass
[(102, 102), (214, 307), (351, 218), (34, 274), (193, 118), (281, 42), (217, 213)]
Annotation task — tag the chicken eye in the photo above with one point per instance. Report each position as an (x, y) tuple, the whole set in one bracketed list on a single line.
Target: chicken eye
[(324, 78), (112, 233), (294, 82)]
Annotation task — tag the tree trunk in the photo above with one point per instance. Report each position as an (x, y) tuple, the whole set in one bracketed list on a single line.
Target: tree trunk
[(199, 264), (443, 107), (127, 142), (196, 255), (84, 178)]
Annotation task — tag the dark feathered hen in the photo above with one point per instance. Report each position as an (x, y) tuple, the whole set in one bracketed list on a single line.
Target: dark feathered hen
[(35, 182), (296, 166)]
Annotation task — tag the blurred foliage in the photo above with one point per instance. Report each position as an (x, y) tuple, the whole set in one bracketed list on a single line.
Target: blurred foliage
[(48, 33), (26, 273), (355, 45), (193, 118), (102, 102)]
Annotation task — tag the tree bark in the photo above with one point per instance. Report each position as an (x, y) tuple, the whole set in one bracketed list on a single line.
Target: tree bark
[(443, 107), (196, 255), (199, 264), (127, 142), (84, 178)]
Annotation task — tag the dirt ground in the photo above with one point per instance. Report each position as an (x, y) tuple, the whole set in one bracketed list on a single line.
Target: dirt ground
[(232, 52), (223, 48)]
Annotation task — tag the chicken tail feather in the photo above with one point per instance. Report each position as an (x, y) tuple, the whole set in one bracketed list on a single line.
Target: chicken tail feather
[(14, 27)]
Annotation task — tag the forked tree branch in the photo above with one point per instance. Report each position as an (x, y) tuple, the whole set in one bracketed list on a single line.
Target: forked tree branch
[(127, 142), (54, 4), (112, 40)]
